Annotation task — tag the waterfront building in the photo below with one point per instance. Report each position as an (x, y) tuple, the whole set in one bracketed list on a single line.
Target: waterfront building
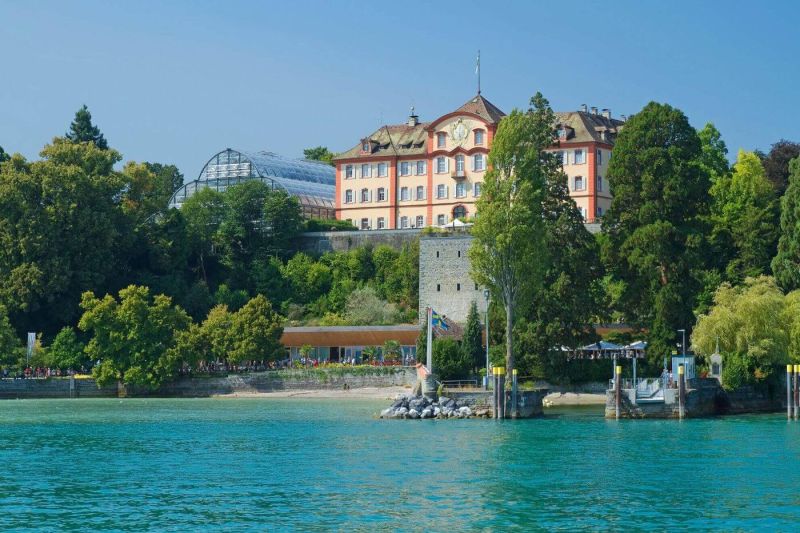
[(311, 182), (422, 174), (344, 343)]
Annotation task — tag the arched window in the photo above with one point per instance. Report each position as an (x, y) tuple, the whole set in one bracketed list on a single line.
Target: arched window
[(459, 211)]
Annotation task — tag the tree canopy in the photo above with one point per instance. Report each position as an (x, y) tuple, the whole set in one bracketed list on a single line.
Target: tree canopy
[(786, 263), (319, 153), (776, 163)]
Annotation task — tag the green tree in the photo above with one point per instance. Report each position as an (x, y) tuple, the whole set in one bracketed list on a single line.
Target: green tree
[(256, 330), (786, 264), (3, 155), (657, 222), (282, 221), (472, 341), (751, 324), (745, 208), (82, 130), (365, 308), (508, 253), (319, 153), (204, 212), (168, 179), (449, 360), (131, 337), (392, 352), (62, 232), (776, 163), (9, 342), (66, 351)]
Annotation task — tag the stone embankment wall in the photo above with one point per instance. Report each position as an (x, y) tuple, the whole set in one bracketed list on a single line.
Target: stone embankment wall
[(704, 397), (319, 242), (315, 379)]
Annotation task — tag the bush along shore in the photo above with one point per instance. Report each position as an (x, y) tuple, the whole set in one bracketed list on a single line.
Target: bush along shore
[(420, 407)]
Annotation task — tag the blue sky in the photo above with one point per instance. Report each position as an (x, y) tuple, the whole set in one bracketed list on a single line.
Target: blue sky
[(174, 82)]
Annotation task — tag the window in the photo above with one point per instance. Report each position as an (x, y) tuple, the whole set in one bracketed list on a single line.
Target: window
[(404, 194), (364, 223), (564, 158), (562, 133), (476, 189), (441, 220), (478, 136), (364, 195), (405, 168), (438, 287), (420, 221), (477, 162), (460, 212), (460, 165), (476, 286), (381, 194), (577, 183), (383, 170), (403, 222), (600, 183), (599, 211), (579, 157), (441, 140), (458, 253), (441, 191), (458, 286), (421, 170), (420, 192), (348, 196), (365, 146), (599, 157), (381, 223), (441, 165), (460, 190), (437, 253), (348, 172), (560, 157), (365, 171)]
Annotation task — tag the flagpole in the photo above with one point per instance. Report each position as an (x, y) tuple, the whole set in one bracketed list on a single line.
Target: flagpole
[(478, 68), (429, 344)]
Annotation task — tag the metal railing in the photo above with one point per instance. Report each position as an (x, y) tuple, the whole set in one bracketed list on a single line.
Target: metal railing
[(459, 383)]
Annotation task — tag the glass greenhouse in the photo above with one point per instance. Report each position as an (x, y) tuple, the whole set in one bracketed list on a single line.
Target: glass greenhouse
[(313, 183)]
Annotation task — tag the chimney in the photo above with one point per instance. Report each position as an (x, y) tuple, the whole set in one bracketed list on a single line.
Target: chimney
[(584, 108), (413, 119), (607, 113), (594, 110)]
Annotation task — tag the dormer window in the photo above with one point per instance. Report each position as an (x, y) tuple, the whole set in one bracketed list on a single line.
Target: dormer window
[(562, 133), (365, 147)]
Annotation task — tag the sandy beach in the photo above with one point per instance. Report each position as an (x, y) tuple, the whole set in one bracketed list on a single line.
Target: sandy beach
[(573, 398)]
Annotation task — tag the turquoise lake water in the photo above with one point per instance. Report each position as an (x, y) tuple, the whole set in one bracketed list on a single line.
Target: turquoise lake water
[(267, 464)]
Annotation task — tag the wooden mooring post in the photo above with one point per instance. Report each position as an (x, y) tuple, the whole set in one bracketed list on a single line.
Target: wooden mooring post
[(681, 392), (502, 391), (796, 391), (789, 399), (618, 389), (514, 408)]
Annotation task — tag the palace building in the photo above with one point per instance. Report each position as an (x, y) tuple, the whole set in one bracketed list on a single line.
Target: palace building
[(422, 174)]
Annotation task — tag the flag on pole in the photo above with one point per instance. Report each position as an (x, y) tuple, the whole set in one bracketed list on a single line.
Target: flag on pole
[(438, 321)]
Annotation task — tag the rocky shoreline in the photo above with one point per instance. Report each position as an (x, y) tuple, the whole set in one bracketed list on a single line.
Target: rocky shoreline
[(420, 407)]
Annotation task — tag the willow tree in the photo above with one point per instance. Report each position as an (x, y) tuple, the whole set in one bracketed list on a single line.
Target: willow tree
[(508, 253)]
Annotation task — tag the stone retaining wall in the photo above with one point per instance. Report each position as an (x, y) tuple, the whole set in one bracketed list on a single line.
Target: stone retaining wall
[(316, 379)]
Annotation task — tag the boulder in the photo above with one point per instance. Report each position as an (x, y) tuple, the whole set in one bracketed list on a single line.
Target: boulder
[(443, 400), (413, 413), (465, 411), (400, 412), (437, 411), (426, 413)]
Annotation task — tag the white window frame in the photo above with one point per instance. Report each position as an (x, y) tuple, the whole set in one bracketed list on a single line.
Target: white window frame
[(421, 168), (381, 194), (579, 160), (476, 189), (383, 170), (405, 168), (441, 139), (381, 223), (403, 222), (363, 199), (420, 193), (366, 170), (575, 184), (404, 194), (441, 220), (349, 172), (479, 142), (348, 196), (419, 221), (364, 224), (460, 164), (461, 190), (441, 191), (441, 165), (478, 163)]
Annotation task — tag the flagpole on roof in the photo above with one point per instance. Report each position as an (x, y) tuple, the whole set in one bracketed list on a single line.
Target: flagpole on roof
[(478, 71)]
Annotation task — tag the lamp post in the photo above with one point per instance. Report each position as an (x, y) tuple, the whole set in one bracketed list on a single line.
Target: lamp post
[(486, 319)]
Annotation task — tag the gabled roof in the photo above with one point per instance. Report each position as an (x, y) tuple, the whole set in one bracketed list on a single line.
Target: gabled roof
[(588, 127), (482, 107), (394, 140)]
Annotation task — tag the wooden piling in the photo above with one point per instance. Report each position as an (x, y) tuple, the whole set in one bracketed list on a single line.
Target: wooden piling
[(514, 407), (618, 389), (681, 392), (502, 390), (796, 391), (495, 395), (789, 399)]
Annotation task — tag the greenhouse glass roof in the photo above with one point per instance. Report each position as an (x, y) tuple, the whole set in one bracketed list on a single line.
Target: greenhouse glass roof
[(313, 183)]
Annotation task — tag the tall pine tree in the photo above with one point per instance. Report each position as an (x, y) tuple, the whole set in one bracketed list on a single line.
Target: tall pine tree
[(472, 341), (786, 265), (82, 130)]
